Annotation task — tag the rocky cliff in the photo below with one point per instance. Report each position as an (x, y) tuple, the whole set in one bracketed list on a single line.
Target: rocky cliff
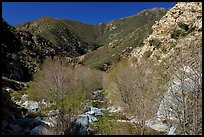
[(176, 43), (181, 26)]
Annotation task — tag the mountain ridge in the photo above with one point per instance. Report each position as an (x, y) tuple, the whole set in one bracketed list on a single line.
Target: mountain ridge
[(64, 33)]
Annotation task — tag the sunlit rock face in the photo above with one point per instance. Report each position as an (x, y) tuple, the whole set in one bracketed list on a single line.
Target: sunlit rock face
[(183, 54), (178, 93), (189, 13)]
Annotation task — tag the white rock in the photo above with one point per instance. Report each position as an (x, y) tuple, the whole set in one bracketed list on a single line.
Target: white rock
[(31, 105), (114, 109), (10, 90)]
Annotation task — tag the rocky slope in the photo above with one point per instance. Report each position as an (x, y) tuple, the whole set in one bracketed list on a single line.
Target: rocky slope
[(73, 37), (176, 42), (177, 29), (22, 53)]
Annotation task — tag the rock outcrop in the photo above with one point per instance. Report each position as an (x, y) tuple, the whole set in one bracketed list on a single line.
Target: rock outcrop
[(22, 53), (176, 42), (161, 44)]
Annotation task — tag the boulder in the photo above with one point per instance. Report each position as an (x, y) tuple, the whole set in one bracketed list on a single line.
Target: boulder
[(92, 118), (18, 130), (40, 130), (43, 101), (95, 111), (28, 122), (10, 90), (173, 130), (31, 105), (82, 120), (80, 125), (24, 97)]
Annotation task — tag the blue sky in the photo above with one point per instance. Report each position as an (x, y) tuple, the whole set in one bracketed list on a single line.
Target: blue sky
[(87, 12)]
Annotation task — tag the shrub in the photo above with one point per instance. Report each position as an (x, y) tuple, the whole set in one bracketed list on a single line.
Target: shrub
[(191, 29), (176, 33), (199, 17), (164, 49), (183, 26), (147, 54), (172, 44), (157, 57), (155, 42), (106, 127)]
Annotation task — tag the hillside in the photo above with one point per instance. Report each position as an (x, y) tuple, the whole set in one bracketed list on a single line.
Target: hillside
[(120, 36), (180, 29), (172, 54), (114, 40), (22, 53), (74, 38), (160, 84)]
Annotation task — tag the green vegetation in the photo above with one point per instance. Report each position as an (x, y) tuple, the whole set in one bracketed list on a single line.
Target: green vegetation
[(183, 26), (172, 44), (183, 31), (139, 25), (155, 42), (191, 29), (22, 53), (70, 37), (74, 38), (199, 17), (147, 54), (108, 125), (176, 33), (67, 86)]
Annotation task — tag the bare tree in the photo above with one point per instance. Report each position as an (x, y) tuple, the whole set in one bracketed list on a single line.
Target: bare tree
[(185, 90), (140, 88), (67, 86)]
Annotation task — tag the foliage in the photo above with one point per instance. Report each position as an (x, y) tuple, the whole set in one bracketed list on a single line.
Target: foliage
[(176, 33), (147, 54), (22, 53), (164, 49), (172, 44), (108, 125), (72, 37), (191, 29), (183, 26), (155, 42), (185, 30), (199, 17), (122, 38)]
